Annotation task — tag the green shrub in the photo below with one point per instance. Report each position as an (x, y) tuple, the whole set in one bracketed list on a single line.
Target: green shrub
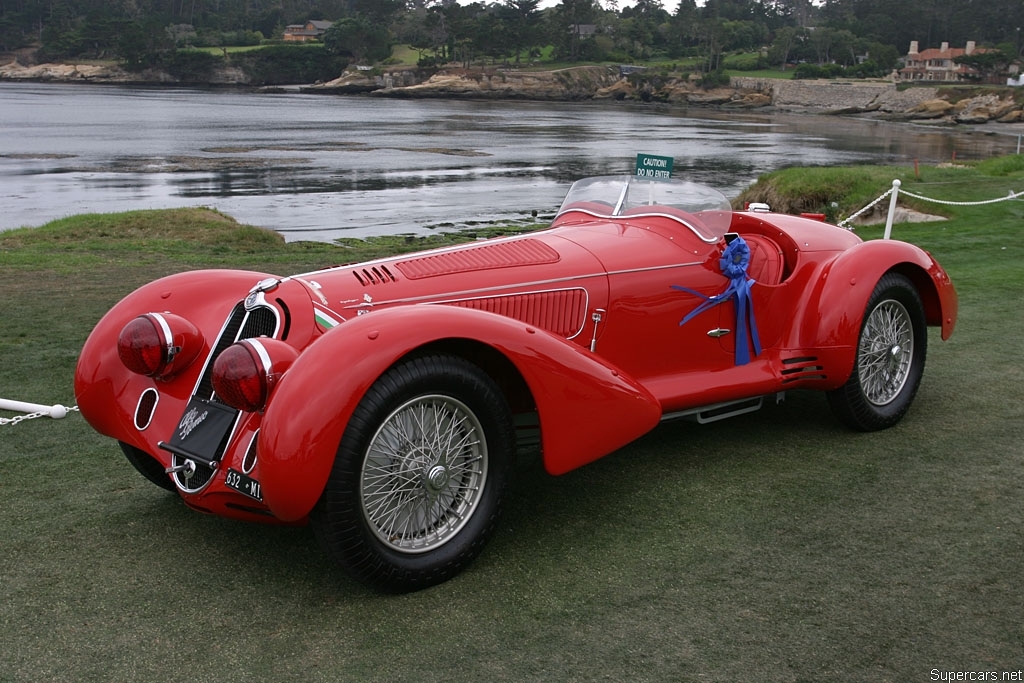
[(714, 79), (192, 66), (807, 71), (284, 64)]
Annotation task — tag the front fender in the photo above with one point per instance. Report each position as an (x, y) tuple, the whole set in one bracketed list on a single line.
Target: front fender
[(587, 407), (106, 391), (833, 316)]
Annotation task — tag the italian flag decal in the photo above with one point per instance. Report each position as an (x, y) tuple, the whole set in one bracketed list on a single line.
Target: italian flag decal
[(323, 319)]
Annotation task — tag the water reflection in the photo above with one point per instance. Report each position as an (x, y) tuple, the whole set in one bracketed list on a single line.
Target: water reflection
[(315, 167)]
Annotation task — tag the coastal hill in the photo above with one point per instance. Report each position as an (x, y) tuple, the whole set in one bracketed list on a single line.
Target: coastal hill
[(938, 104)]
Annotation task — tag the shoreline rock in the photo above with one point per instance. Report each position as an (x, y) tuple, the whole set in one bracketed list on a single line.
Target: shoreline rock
[(63, 73), (879, 99)]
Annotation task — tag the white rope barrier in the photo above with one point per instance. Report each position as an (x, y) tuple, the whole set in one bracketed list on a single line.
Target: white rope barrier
[(34, 410), (893, 194), (1011, 195), (845, 223)]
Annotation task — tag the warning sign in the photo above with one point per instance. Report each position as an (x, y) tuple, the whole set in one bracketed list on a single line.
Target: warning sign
[(653, 166)]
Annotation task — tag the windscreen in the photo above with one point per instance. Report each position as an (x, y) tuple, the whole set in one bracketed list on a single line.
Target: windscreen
[(702, 208)]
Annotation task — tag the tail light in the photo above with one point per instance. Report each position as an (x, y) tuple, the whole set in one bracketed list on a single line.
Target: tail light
[(158, 344), (246, 372)]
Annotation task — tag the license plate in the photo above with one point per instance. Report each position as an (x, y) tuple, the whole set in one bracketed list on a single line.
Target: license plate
[(243, 484), (203, 431)]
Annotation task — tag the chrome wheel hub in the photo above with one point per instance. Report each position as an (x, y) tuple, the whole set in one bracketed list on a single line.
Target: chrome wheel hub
[(437, 478), (885, 353), (424, 474)]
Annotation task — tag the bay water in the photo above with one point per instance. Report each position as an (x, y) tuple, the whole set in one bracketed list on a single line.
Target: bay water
[(320, 167)]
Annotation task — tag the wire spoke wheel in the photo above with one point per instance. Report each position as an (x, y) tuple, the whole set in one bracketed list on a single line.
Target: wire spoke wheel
[(416, 487), (424, 473), (890, 358), (886, 352)]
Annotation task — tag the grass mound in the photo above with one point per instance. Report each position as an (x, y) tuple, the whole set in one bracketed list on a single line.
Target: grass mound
[(841, 191), (164, 230), (815, 190)]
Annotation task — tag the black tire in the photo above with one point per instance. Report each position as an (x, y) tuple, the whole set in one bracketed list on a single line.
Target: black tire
[(890, 358), (416, 487), (148, 466)]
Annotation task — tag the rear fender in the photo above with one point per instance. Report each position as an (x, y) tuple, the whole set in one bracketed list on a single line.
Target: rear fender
[(587, 408)]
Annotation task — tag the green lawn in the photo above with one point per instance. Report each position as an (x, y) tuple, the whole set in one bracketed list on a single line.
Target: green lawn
[(236, 49), (773, 547)]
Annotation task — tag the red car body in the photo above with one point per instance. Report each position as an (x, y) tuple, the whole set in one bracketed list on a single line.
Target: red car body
[(579, 326)]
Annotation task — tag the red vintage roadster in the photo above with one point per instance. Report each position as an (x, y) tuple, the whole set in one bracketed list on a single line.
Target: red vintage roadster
[(384, 402)]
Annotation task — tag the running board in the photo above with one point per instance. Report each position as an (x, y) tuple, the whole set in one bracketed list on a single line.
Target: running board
[(721, 411)]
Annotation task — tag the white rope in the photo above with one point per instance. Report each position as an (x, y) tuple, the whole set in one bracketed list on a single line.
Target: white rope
[(33, 411), (1012, 195), (896, 188), (843, 223)]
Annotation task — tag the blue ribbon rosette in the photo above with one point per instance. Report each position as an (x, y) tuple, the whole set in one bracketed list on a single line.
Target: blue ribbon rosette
[(733, 264)]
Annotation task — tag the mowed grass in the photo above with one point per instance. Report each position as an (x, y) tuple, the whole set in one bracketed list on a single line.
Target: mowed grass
[(773, 547)]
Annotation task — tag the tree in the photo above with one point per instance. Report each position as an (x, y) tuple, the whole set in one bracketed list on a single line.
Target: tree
[(646, 28), (785, 39), (521, 20), (711, 36), (831, 45), (463, 22), (447, 30), (143, 43), (991, 65), (491, 35), (359, 38), (568, 19), (793, 13), (379, 12), (885, 56), (682, 29)]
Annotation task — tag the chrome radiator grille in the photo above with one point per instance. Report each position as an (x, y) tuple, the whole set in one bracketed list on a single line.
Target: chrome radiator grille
[(260, 321)]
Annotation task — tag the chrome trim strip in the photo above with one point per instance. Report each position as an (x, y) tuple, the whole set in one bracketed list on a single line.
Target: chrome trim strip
[(261, 351), (626, 218), (223, 328), (213, 347), (248, 466), (168, 336), (537, 283), (618, 204)]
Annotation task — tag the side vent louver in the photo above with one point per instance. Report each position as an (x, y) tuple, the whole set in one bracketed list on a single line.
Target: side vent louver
[(377, 275), (801, 369), (563, 312)]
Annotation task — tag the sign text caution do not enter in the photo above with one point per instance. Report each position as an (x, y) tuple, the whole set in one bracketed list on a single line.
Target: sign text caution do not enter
[(653, 166)]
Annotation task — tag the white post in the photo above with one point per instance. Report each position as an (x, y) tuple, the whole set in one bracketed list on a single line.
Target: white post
[(56, 412), (1018, 142), (892, 208)]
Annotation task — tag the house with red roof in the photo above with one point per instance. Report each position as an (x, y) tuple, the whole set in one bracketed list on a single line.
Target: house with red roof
[(311, 30), (938, 65)]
